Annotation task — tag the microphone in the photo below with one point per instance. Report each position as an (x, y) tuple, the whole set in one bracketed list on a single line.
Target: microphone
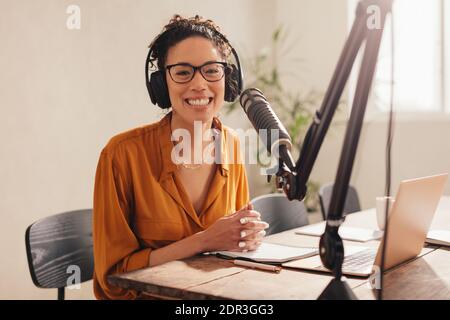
[(262, 117)]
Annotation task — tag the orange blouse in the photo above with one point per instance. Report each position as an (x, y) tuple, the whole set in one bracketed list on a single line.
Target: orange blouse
[(140, 203)]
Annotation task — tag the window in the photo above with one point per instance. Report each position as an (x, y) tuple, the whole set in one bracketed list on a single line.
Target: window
[(421, 58)]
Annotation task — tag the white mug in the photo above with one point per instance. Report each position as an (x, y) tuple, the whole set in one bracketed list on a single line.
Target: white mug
[(381, 208)]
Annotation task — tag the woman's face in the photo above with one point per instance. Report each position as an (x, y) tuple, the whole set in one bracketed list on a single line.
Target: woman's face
[(198, 99)]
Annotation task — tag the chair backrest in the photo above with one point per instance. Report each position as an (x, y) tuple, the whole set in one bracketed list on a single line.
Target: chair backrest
[(351, 201), (59, 247), (280, 213)]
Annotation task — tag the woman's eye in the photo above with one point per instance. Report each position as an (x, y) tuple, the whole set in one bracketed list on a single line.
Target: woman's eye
[(212, 71), (183, 73)]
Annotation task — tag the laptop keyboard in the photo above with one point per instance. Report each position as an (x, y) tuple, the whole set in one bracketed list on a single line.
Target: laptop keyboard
[(359, 260)]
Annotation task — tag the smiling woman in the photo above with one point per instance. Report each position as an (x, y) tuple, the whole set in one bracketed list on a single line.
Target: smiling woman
[(148, 209)]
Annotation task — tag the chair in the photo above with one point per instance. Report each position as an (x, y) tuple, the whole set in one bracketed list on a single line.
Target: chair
[(351, 201), (280, 213), (58, 247)]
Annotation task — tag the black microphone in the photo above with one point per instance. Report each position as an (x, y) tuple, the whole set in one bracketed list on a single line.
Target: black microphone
[(262, 117)]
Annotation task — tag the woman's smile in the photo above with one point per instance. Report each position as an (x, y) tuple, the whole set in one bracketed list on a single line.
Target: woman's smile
[(199, 103)]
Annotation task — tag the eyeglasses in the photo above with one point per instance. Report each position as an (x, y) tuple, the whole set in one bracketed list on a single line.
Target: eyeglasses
[(184, 72)]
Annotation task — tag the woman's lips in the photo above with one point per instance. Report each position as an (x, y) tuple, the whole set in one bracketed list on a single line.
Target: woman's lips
[(198, 103)]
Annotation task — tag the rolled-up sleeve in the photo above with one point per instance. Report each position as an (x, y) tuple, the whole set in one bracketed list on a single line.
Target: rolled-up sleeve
[(116, 248)]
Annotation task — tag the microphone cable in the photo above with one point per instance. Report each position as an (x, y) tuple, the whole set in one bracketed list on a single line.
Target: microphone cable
[(390, 135)]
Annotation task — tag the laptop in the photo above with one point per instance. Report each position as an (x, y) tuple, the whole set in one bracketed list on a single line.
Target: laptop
[(409, 221)]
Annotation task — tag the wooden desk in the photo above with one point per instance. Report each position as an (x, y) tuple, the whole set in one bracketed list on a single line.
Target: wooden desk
[(427, 277), (207, 277)]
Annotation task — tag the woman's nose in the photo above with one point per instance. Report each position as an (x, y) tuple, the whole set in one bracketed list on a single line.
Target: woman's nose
[(198, 82)]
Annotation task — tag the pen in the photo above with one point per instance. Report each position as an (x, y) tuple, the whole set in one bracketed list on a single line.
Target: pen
[(256, 265)]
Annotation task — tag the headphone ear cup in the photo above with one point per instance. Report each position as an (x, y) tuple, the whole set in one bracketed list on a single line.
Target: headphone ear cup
[(157, 89), (232, 83), (151, 93)]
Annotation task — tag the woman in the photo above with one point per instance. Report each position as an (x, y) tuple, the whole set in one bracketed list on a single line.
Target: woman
[(150, 209)]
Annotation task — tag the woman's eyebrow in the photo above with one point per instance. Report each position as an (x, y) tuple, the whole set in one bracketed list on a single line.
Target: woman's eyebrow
[(184, 62)]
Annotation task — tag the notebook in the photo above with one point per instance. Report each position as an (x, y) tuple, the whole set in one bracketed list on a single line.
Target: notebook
[(346, 233), (270, 253), (439, 237)]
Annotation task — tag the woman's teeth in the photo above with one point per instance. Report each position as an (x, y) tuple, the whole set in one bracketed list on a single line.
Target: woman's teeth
[(198, 102)]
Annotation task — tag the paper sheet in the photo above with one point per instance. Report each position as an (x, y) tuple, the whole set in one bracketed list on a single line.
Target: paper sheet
[(439, 237), (272, 253), (346, 233)]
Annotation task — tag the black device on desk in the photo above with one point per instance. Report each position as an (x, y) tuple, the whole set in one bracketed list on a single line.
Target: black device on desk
[(292, 177)]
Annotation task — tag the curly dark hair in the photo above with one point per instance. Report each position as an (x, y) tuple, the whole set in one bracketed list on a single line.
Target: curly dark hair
[(179, 29)]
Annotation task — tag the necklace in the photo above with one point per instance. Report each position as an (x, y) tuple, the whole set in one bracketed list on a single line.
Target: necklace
[(190, 166)]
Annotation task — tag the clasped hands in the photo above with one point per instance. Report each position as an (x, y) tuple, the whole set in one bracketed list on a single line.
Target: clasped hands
[(240, 231)]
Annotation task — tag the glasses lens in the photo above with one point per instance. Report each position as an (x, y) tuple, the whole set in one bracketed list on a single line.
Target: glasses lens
[(181, 73), (213, 71)]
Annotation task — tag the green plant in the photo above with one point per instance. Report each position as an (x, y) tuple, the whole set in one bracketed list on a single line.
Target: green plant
[(294, 108)]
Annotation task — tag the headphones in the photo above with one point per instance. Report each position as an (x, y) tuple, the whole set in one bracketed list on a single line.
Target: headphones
[(157, 85)]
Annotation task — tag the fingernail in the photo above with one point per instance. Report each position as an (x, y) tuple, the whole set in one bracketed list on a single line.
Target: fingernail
[(243, 234), (241, 244), (243, 220)]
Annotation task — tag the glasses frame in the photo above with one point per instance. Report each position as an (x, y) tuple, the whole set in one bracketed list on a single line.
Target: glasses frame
[(199, 68)]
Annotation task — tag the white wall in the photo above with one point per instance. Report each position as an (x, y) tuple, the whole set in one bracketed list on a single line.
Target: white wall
[(64, 93)]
